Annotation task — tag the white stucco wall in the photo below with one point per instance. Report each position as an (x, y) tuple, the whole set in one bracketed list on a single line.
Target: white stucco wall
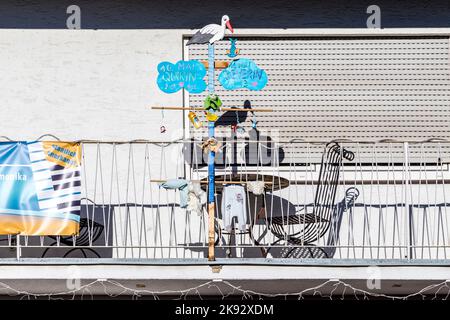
[(86, 84)]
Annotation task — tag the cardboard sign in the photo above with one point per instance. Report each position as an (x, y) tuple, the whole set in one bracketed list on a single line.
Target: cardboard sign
[(184, 74), (243, 73)]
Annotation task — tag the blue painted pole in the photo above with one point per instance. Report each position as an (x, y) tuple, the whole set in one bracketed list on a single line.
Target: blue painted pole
[(211, 166), (211, 159)]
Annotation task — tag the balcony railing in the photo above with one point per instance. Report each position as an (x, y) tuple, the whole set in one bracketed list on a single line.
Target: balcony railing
[(387, 201)]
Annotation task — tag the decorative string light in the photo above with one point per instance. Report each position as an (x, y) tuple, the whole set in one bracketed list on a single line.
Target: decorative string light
[(439, 290)]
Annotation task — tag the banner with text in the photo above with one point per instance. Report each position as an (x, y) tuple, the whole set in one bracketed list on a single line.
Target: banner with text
[(40, 187)]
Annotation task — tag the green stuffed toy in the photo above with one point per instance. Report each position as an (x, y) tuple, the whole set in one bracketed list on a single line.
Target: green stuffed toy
[(212, 102)]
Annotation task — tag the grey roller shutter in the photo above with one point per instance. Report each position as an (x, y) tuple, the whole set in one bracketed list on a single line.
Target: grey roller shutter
[(358, 88)]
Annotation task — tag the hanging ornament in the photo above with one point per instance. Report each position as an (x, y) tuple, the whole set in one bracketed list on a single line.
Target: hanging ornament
[(239, 128), (254, 121), (212, 102), (211, 116), (211, 145), (162, 128), (233, 51), (194, 120)]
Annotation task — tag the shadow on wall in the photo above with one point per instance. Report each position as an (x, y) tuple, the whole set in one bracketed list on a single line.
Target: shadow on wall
[(234, 153), (65, 250), (262, 153), (230, 118), (274, 206), (193, 14)]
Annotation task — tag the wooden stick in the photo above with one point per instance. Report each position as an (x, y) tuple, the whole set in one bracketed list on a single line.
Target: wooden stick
[(220, 64), (218, 182), (221, 109), (343, 183)]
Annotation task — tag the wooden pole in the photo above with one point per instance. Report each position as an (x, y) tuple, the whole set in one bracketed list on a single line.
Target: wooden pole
[(221, 109), (217, 64), (211, 164), (211, 253)]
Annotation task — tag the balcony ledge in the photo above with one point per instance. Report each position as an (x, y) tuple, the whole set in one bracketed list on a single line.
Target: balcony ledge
[(169, 276), (223, 262)]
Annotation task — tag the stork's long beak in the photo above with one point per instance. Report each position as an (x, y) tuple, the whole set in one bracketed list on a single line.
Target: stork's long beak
[(229, 26)]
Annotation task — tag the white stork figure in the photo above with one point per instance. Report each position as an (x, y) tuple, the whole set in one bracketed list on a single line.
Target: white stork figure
[(212, 32)]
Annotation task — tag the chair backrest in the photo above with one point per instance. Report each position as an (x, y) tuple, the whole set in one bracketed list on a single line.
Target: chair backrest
[(346, 205), (325, 196)]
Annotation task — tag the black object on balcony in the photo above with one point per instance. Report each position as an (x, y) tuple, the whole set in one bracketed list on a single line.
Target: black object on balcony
[(90, 231), (317, 223)]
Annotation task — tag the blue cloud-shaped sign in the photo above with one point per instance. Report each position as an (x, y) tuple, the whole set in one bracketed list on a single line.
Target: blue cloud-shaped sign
[(243, 73), (184, 74)]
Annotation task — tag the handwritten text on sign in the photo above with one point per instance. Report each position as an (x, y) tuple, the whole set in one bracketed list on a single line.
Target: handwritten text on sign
[(184, 74), (243, 73)]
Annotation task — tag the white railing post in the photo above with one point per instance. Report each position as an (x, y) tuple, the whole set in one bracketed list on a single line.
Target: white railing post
[(407, 178), (18, 249)]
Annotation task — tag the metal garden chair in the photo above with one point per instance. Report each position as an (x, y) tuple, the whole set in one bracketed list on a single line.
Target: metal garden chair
[(316, 224), (331, 245), (89, 230)]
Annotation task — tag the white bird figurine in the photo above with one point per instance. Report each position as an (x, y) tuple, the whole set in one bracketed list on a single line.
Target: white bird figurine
[(212, 32)]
